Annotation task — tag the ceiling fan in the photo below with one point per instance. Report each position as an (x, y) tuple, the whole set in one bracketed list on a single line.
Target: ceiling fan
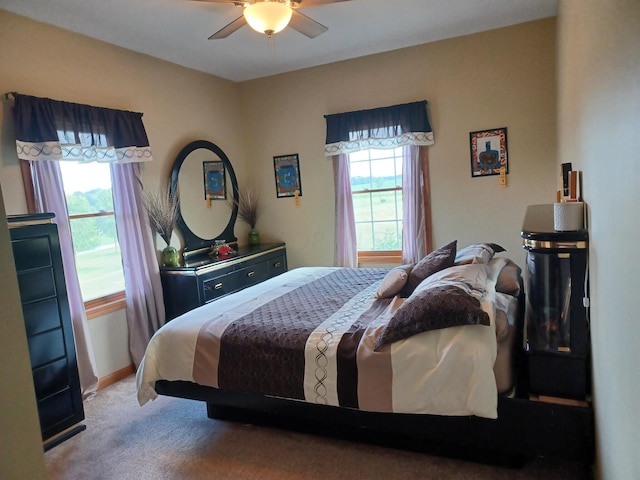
[(272, 16)]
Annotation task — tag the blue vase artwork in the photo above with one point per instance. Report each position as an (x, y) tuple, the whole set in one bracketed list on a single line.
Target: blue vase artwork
[(489, 159)]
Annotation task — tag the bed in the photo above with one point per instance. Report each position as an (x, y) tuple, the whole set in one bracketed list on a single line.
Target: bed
[(425, 355)]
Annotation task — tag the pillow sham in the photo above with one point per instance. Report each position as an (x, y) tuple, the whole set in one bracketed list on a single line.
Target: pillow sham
[(477, 253), (433, 262), (472, 278), (432, 309), (394, 281), (506, 311), (508, 280)]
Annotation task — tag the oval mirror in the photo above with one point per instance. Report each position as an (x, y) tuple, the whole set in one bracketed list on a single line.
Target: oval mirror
[(206, 184)]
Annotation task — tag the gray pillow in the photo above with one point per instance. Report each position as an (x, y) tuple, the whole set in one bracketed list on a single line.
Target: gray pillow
[(437, 260), (432, 309)]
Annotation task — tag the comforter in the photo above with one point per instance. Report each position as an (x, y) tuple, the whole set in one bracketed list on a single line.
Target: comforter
[(310, 335)]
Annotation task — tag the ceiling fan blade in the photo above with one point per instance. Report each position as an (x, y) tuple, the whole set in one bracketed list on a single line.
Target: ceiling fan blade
[(234, 2), (306, 25), (312, 3), (227, 30)]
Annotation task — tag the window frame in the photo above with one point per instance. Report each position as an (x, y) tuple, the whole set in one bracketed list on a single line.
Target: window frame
[(95, 307), (369, 257)]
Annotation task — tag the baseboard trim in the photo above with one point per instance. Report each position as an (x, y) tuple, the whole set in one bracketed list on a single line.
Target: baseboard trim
[(116, 376)]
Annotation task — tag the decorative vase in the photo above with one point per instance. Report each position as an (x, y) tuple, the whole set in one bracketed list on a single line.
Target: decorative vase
[(170, 257), (254, 237)]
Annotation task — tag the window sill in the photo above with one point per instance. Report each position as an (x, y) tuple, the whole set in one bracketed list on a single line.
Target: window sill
[(104, 305), (382, 257)]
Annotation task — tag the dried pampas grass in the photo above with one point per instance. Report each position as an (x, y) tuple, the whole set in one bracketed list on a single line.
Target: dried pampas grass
[(162, 207), (248, 206)]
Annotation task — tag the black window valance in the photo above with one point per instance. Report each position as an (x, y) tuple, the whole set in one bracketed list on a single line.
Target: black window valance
[(385, 127), (55, 130)]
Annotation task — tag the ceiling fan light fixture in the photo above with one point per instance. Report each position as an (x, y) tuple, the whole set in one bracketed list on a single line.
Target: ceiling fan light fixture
[(268, 17)]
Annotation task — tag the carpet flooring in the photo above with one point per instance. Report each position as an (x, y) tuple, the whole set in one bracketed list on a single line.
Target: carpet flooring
[(172, 438)]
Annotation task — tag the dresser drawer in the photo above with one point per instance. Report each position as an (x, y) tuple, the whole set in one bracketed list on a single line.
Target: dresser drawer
[(252, 274), (277, 265), (216, 287)]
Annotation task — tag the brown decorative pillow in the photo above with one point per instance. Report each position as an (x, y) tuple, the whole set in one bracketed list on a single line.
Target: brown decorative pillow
[(393, 282), (477, 253), (432, 309), (434, 262)]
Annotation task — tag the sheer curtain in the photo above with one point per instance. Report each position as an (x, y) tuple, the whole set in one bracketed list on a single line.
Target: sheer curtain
[(406, 126), (346, 251), (145, 306), (54, 130), (49, 197)]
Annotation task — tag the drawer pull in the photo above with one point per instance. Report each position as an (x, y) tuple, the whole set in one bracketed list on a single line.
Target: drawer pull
[(277, 265), (251, 273), (218, 286)]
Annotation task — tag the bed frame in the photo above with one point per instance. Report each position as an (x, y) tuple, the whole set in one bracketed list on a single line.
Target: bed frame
[(524, 429)]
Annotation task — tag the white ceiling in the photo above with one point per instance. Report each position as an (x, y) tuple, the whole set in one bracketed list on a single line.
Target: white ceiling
[(177, 30)]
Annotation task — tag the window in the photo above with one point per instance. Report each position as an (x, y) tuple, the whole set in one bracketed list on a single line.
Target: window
[(376, 188), (87, 189)]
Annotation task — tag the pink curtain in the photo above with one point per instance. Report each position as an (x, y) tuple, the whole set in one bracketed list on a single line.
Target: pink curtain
[(49, 197), (413, 213), (346, 251), (145, 305)]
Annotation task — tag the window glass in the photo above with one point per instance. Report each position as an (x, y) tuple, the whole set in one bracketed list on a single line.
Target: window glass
[(376, 186), (91, 215)]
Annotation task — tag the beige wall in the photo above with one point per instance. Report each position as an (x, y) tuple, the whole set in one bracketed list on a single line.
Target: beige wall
[(179, 106), (21, 452), (599, 120), (502, 78)]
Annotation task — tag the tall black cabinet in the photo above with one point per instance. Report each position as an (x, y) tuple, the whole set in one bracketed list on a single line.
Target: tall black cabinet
[(38, 260), (557, 320)]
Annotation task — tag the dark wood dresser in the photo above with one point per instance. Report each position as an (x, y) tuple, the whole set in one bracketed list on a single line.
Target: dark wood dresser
[(208, 278), (43, 293)]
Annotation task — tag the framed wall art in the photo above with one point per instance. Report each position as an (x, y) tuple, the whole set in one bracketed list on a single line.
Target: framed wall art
[(214, 180), (287, 172), (488, 152)]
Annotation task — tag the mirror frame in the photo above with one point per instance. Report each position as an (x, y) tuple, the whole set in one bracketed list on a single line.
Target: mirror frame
[(193, 242)]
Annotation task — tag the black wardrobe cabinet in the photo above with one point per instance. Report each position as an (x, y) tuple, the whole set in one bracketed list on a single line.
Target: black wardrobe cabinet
[(38, 260)]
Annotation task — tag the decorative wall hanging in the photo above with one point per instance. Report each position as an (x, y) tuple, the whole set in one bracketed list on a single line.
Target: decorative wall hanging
[(488, 152), (214, 180), (287, 171)]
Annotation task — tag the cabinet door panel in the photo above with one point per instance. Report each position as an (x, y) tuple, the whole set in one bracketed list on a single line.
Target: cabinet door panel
[(51, 378), (41, 316), (55, 409), (32, 253), (46, 347), (36, 285)]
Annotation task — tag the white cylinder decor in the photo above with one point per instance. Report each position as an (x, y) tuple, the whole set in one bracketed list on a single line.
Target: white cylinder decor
[(568, 216)]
